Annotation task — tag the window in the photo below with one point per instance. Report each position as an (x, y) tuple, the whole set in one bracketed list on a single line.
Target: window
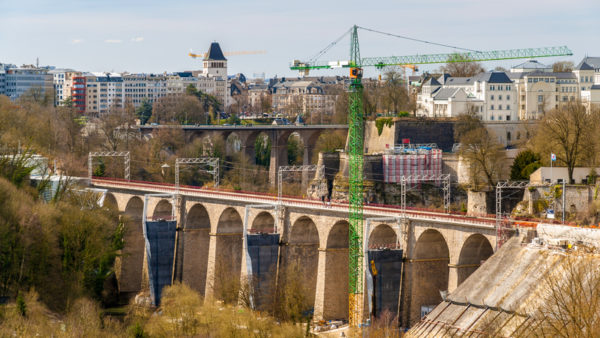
[(500, 118), (491, 97), (530, 80), (499, 87), (540, 98), (535, 80), (507, 87), (492, 118), (507, 107), (508, 97), (492, 88), (507, 117), (500, 107), (508, 136), (547, 80), (492, 107)]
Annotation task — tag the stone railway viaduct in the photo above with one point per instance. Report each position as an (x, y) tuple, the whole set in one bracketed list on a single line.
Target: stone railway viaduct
[(247, 135), (440, 250)]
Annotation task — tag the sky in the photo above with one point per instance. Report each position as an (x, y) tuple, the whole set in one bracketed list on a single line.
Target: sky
[(156, 36)]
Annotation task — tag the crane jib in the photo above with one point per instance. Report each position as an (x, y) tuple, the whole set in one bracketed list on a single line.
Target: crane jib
[(495, 55)]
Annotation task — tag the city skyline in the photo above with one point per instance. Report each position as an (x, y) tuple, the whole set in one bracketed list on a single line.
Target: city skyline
[(153, 37)]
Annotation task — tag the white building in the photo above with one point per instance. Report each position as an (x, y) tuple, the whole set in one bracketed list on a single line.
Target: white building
[(526, 92), (491, 96)]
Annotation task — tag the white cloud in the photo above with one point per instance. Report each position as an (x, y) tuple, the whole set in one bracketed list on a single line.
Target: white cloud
[(76, 41), (137, 39), (113, 41)]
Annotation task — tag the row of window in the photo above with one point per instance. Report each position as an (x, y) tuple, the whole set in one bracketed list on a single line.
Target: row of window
[(500, 87), (500, 97), (500, 107), (500, 117)]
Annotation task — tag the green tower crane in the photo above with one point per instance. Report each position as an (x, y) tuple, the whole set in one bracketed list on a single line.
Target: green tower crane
[(356, 130)]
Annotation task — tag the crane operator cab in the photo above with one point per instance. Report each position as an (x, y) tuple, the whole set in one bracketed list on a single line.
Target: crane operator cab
[(356, 73)]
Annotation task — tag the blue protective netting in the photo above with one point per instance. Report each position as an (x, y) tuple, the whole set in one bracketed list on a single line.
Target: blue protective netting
[(263, 250), (387, 286), (160, 248)]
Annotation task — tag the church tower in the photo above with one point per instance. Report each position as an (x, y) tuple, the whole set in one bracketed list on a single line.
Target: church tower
[(215, 63)]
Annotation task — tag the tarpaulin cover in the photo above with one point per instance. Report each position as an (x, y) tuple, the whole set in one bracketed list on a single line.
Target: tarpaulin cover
[(263, 250), (389, 272), (421, 162), (160, 248)]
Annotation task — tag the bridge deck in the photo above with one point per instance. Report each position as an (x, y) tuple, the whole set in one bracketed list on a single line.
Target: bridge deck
[(263, 198)]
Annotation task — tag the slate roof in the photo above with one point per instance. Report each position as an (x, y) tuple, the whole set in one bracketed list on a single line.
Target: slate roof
[(445, 93), (561, 75), (493, 77), (531, 64), (215, 53), (442, 79), (459, 81), (593, 62), (432, 82), (596, 86)]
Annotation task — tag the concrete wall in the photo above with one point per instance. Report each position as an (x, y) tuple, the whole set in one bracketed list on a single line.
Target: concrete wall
[(375, 143)]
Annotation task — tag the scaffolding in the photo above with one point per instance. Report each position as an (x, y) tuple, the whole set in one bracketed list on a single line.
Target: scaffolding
[(444, 178), (503, 225), (124, 154), (213, 162), (294, 168)]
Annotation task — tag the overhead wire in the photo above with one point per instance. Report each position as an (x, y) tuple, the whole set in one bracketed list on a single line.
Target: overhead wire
[(417, 40), (326, 49)]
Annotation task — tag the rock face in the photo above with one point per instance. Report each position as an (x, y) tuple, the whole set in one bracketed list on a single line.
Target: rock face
[(477, 203)]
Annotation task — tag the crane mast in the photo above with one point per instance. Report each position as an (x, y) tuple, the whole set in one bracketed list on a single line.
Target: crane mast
[(355, 152)]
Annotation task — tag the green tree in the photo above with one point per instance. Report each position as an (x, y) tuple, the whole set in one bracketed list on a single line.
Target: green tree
[(295, 150), (262, 147), (144, 112), (525, 161)]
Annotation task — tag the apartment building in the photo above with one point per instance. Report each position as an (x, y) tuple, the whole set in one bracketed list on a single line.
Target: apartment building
[(18, 80), (295, 97)]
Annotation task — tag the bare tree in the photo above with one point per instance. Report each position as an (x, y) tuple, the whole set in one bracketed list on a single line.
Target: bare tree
[(456, 66), (563, 66), (570, 132), (480, 148), (115, 125), (571, 306), (395, 96)]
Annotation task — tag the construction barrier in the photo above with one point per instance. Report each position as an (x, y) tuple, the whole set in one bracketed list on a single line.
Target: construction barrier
[(160, 248), (385, 285), (419, 162), (263, 250)]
